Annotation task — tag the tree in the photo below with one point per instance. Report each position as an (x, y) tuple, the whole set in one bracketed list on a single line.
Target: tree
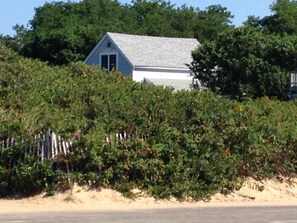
[(153, 17), (65, 32), (253, 21), (283, 20), (15, 42), (212, 21), (10, 42), (184, 20), (161, 18), (245, 61)]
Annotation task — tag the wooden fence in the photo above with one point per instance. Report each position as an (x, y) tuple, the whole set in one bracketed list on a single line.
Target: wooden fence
[(123, 136), (47, 145)]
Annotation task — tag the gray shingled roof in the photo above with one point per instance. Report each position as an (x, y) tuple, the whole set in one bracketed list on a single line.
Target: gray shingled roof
[(175, 84), (151, 51)]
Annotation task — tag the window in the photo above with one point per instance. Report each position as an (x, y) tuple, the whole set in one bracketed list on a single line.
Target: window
[(112, 62), (109, 62), (104, 62)]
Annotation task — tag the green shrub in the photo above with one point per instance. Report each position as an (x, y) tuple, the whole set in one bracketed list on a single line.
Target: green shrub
[(182, 144)]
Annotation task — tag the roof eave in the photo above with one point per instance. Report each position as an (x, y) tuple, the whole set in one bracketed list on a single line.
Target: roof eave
[(160, 67), (119, 50), (96, 47)]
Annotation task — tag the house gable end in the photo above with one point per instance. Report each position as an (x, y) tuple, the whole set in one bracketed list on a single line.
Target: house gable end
[(106, 46)]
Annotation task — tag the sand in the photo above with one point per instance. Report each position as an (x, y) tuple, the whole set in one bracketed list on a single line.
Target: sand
[(253, 193)]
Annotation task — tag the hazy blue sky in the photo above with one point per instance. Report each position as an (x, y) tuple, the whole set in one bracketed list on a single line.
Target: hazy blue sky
[(21, 11)]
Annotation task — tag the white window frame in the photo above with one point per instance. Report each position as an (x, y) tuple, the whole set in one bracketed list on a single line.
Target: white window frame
[(108, 56)]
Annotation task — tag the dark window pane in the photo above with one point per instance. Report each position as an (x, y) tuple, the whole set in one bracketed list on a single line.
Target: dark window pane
[(104, 62), (112, 62)]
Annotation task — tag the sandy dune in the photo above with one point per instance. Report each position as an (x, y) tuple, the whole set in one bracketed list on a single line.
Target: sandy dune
[(269, 192)]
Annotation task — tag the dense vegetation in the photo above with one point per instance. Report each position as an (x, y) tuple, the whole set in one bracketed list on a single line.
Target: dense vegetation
[(180, 144)]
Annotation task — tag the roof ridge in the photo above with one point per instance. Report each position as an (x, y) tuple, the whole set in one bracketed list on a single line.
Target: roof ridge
[(152, 51), (159, 37)]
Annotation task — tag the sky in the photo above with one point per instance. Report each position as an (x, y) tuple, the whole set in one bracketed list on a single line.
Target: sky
[(20, 12)]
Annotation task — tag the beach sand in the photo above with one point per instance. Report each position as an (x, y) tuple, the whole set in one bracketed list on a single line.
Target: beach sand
[(253, 193)]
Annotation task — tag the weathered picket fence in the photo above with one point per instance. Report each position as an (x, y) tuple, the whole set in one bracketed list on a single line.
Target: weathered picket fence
[(121, 136), (47, 145)]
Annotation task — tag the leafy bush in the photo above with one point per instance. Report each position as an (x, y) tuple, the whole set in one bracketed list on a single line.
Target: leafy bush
[(127, 134)]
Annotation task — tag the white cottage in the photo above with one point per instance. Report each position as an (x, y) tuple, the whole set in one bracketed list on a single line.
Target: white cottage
[(156, 60)]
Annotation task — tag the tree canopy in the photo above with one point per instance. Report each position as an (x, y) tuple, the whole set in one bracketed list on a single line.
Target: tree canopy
[(62, 32), (283, 19), (246, 61), (253, 60)]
